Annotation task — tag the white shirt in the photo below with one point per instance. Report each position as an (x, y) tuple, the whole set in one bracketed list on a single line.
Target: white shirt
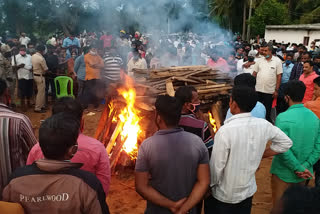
[(236, 155), (241, 69), (24, 40), (140, 64), (267, 72), (23, 73)]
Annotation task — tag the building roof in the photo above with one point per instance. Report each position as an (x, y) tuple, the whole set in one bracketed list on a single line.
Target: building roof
[(295, 27)]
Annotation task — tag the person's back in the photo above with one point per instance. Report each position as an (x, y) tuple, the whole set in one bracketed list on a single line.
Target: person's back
[(173, 157), (302, 126), (55, 185)]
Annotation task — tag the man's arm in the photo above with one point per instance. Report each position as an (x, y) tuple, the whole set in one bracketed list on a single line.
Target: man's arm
[(315, 155), (275, 94), (199, 189), (219, 157), (150, 194), (76, 65), (293, 72)]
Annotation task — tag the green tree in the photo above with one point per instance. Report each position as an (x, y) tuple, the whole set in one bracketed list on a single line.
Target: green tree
[(270, 12)]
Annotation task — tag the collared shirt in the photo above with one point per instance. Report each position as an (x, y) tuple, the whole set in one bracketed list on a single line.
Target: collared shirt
[(112, 67), (303, 128), (308, 81), (25, 72), (267, 72), (258, 111), (91, 153), (80, 67), (140, 64), (172, 158), (67, 42), (16, 140), (93, 73), (287, 69), (39, 64), (314, 106), (198, 127), (297, 71), (237, 153)]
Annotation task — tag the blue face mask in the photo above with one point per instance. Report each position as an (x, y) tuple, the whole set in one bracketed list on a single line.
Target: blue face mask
[(267, 56), (288, 62)]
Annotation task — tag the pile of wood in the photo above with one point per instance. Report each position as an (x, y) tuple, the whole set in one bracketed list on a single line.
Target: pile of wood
[(211, 84)]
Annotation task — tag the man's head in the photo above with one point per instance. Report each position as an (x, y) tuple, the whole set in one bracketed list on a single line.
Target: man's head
[(289, 59), (294, 92), (243, 99), (58, 136), (168, 112), (4, 94), (22, 50), (316, 90), (306, 56), (317, 60), (40, 49), (68, 105), (301, 49), (245, 79), (266, 50), (308, 67), (189, 98), (23, 34)]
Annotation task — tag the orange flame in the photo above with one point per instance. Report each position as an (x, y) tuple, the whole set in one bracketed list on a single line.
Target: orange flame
[(212, 122)]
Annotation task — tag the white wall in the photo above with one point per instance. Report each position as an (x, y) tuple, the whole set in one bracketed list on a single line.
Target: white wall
[(292, 36)]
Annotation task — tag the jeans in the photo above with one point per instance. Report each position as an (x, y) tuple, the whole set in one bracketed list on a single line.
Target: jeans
[(50, 82), (214, 206), (81, 84)]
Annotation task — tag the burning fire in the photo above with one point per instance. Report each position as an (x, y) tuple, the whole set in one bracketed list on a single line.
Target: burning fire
[(212, 122)]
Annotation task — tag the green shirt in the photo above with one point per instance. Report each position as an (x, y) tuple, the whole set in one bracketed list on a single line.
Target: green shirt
[(302, 126)]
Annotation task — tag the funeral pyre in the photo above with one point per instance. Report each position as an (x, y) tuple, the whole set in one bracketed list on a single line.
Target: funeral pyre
[(128, 116)]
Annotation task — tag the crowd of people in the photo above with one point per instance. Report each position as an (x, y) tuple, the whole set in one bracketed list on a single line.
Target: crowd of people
[(274, 112)]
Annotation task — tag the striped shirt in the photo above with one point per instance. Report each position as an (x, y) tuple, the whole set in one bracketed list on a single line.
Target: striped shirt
[(198, 127), (112, 67), (236, 155), (16, 140)]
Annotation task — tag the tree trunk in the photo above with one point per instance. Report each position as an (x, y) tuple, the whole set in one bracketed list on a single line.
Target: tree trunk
[(244, 19), (249, 27)]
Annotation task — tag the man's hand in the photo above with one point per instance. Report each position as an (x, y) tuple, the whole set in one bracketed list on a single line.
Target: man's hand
[(21, 66), (248, 64), (275, 94), (306, 174), (177, 205)]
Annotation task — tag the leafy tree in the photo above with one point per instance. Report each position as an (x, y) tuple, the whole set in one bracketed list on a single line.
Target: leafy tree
[(270, 12)]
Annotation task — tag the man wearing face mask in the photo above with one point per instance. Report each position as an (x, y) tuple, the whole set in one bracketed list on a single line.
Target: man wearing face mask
[(189, 98), (23, 64), (136, 62), (268, 72)]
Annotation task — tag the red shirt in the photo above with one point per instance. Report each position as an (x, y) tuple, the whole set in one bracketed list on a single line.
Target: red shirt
[(91, 153), (221, 64), (308, 81), (106, 40)]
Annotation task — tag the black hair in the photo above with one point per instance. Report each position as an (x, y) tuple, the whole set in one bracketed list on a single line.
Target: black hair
[(245, 97), (309, 62), (184, 94), (317, 57), (307, 53), (40, 48), (245, 79), (290, 55), (22, 46), (68, 105), (3, 86), (86, 49), (57, 134), (299, 199), (295, 89), (266, 45), (317, 81), (169, 108)]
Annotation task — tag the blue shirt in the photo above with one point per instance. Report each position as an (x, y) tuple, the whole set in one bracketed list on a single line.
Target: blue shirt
[(67, 42), (80, 67), (258, 111), (286, 72)]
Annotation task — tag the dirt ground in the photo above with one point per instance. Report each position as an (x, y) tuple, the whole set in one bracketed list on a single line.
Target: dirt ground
[(122, 197)]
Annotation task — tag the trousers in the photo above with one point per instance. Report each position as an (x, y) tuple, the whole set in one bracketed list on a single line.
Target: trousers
[(41, 96)]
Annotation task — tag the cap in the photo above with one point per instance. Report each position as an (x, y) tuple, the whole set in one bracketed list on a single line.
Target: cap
[(252, 53), (123, 31)]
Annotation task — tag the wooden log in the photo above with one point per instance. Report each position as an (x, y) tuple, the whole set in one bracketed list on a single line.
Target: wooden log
[(114, 136), (205, 91), (216, 111), (170, 89), (209, 86), (102, 122), (116, 151), (108, 126)]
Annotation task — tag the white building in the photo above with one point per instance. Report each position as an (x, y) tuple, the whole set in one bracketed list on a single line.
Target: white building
[(303, 33)]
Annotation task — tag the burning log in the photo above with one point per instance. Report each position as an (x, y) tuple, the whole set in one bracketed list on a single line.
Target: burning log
[(114, 136)]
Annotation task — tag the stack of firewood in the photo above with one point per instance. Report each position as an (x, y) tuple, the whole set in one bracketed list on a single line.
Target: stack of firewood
[(211, 84)]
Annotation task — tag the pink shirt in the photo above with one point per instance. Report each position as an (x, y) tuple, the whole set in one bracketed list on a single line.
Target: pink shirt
[(308, 81), (106, 40), (220, 64), (91, 153)]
